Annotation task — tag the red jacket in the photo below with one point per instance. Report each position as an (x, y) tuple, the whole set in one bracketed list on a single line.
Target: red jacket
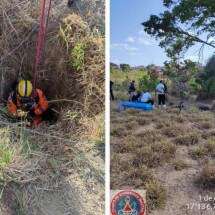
[(14, 103)]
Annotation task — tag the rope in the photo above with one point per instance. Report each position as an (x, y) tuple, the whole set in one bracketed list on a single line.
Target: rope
[(45, 6)]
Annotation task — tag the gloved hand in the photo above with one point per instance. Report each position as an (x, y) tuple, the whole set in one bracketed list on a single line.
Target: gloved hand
[(33, 105), (22, 114), (30, 105)]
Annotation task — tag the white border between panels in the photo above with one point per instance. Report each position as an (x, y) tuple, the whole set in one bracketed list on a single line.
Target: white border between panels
[(107, 108)]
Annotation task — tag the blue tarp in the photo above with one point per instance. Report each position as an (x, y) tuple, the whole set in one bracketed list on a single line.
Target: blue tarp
[(135, 105)]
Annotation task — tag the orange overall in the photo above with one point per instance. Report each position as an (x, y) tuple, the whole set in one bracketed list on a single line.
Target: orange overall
[(14, 104)]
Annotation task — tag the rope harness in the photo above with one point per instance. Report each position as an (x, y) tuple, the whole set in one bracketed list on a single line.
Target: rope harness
[(45, 6)]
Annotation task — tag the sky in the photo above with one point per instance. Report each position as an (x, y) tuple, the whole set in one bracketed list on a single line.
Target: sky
[(130, 44)]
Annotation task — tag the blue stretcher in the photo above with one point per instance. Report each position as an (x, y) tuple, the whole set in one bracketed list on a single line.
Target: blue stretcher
[(123, 105)]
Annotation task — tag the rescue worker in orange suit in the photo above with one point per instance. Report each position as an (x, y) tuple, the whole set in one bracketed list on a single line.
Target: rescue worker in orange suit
[(26, 102)]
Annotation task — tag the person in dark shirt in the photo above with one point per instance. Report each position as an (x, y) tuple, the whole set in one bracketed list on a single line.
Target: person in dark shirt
[(70, 3), (166, 91), (136, 97), (111, 90), (131, 90), (165, 87)]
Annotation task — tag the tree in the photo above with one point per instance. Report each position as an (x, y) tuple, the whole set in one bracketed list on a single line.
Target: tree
[(207, 78), (182, 23), (183, 77), (125, 67), (150, 67), (114, 66), (148, 81)]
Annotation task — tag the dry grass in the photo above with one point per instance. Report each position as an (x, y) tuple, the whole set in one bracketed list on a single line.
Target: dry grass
[(158, 144), (156, 195), (208, 134), (206, 125), (140, 176), (206, 178), (180, 165), (142, 121), (44, 162), (173, 131), (143, 174), (163, 124), (204, 150), (188, 139), (155, 154), (118, 131), (148, 134), (72, 70), (132, 112), (198, 152)]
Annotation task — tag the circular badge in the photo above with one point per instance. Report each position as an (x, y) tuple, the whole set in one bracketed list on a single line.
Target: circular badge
[(127, 203)]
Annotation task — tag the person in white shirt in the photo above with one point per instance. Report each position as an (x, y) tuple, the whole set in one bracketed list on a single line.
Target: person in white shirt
[(146, 97), (160, 91)]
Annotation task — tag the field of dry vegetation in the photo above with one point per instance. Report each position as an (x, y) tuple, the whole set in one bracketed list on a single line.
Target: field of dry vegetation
[(170, 154), (58, 168)]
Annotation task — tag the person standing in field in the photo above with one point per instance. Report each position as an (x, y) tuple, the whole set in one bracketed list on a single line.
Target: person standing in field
[(131, 90), (166, 92), (160, 91), (70, 3), (111, 90)]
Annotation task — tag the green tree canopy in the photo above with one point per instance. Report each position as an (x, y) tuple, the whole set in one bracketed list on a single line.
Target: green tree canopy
[(182, 24), (207, 77), (125, 67)]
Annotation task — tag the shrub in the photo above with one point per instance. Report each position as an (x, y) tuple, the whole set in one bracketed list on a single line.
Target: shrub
[(195, 87), (147, 81), (207, 78), (208, 134), (156, 195), (198, 152), (206, 178), (210, 146), (6, 151), (77, 56), (155, 154), (189, 139), (141, 173), (208, 149)]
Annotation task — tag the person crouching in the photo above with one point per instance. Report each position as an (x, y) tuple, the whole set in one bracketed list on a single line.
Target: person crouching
[(146, 97), (136, 96), (25, 102)]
